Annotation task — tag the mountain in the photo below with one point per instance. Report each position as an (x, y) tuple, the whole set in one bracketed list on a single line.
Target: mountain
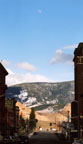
[(44, 119), (48, 97)]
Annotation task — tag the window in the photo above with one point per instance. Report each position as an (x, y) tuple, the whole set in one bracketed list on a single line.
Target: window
[(78, 60), (81, 60)]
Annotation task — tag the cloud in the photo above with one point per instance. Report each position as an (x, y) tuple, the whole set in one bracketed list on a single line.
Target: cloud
[(14, 78), (61, 57), (39, 11), (9, 71), (26, 66), (71, 46), (5, 62)]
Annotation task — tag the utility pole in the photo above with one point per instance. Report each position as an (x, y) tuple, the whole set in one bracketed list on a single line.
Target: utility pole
[(68, 116)]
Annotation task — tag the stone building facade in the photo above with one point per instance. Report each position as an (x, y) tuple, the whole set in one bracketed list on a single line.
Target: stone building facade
[(11, 116), (77, 104), (3, 87), (9, 112)]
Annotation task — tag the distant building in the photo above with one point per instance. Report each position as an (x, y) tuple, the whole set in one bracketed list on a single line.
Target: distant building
[(77, 104)]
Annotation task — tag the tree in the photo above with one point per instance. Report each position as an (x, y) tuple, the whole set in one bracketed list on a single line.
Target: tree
[(22, 121), (32, 120), (27, 122), (27, 125)]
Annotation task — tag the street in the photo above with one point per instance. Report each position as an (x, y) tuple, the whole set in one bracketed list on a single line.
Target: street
[(47, 138)]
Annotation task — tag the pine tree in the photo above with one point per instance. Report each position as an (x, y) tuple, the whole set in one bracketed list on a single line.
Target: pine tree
[(27, 125), (22, 121), (32, 120), (27, 122)]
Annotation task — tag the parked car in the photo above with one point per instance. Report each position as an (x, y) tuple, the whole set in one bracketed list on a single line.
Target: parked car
[(6, 139), (77, 141), (35, 133), (23, 139), (9, 139), (1, 137)]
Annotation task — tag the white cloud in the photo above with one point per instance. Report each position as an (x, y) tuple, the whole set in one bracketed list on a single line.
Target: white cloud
[(5, 62), (39, 11), (9, 71), (14, 78), (71, 46), (26, 66), (61, 57)]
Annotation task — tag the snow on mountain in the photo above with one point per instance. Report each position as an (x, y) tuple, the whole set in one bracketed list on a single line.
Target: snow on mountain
[(43, 96), (23, 94)]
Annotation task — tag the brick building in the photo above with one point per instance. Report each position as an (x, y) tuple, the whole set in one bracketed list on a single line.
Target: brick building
[(77, 104), (11, 116), (3, 87), (9, 112)]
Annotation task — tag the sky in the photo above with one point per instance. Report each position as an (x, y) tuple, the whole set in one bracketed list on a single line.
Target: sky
[(38, 38)]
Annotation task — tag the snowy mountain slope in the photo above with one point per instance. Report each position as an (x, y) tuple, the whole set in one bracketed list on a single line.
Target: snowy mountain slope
[(43, 96)]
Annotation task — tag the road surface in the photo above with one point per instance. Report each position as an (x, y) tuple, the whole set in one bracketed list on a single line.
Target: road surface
[(47, 138)]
